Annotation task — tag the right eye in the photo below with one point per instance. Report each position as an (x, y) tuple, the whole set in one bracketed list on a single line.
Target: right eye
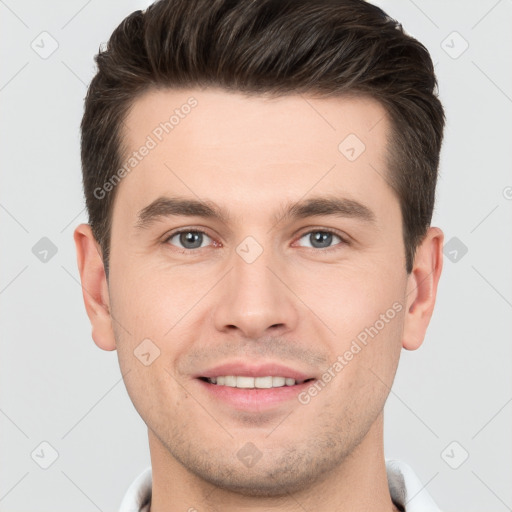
[(188, 238)]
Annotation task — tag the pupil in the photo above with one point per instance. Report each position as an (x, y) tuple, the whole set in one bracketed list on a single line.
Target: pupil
[(192, 238), (321, 239)]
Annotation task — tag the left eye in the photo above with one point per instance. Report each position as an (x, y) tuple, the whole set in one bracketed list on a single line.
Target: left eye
[(189, 239), (320, 239)]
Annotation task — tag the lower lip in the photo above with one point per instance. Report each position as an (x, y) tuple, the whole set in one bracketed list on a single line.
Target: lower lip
[(254, 399)]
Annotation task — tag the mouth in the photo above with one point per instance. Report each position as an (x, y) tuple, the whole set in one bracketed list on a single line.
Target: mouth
[(253, 386), (256, 395), (248, 382)]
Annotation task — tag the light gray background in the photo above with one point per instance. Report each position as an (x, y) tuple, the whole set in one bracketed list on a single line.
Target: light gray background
[(57, 387)]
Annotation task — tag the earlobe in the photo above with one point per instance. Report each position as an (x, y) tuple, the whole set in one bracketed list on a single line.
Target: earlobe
[(94, 287), (422, 288)]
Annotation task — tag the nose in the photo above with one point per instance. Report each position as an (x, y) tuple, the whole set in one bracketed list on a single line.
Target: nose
[(256, 298)]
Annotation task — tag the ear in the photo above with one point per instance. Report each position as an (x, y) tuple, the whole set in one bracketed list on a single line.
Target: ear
[(94, 286), (422, 288)]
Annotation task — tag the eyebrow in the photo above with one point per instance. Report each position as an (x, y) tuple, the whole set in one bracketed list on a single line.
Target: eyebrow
[(316, 206)]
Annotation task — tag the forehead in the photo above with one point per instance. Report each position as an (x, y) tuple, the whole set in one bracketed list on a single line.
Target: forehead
[(214, 117), (224, 146)]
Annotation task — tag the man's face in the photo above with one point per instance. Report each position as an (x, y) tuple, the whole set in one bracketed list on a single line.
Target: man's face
[(258, 287)]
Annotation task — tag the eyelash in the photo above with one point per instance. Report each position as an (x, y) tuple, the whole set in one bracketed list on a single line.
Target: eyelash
[(344, 241)]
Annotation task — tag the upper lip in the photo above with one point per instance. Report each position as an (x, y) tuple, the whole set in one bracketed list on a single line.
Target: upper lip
[(254, 370)]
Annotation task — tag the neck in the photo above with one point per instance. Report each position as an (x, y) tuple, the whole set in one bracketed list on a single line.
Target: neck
[(359, 483)]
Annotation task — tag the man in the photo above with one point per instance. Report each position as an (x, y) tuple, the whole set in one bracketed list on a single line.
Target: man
[(260, 178)]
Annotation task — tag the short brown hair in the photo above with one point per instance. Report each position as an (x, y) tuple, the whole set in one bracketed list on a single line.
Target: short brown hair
[(326, 47)]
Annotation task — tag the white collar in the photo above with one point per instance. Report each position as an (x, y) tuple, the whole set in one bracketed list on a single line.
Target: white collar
[(404, 486)]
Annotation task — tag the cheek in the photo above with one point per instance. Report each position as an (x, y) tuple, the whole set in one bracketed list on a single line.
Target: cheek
[(152, 300), (148, 310), (157, 312), (351, 296), (364, 308)]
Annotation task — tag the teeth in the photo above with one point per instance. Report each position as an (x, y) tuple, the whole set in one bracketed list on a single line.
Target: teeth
[(263, 382), (277, 382), (243, 382), (230, 380)]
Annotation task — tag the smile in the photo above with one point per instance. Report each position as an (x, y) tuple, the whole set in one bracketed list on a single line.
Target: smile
[(246, 382)]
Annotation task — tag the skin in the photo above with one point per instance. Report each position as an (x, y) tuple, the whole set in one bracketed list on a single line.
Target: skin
[(296, 303)]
